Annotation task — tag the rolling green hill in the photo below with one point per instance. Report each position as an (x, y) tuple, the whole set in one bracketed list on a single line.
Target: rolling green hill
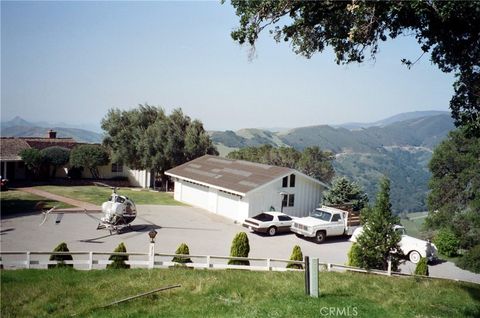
[(400, 150)]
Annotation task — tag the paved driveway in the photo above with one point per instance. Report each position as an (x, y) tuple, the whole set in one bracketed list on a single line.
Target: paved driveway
[(205, 234)]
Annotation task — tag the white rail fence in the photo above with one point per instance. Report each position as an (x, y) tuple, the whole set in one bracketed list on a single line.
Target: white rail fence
[(99, 260)]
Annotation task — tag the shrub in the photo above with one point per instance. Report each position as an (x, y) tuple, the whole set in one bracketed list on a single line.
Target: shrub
[(471, 260), (118, 260), (422, 267), (240, 248), (89, 157), (354, 256), (446, 242), (56, 157), (62, 247), (182, 249), (297, 255)]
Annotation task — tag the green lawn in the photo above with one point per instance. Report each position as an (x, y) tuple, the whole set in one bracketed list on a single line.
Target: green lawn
[(15, 201), (229, 293), (98, 195), (414, 223)]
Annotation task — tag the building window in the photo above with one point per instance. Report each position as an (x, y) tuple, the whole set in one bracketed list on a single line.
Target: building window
[(292, 181), (284, 200), (285, 182), (291, 199), (117, 167)]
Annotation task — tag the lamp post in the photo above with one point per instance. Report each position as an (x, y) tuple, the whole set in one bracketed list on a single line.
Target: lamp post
[(151, 250)]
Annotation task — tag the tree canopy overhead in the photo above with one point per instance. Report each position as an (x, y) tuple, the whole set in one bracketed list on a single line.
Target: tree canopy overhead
[(448, 30)]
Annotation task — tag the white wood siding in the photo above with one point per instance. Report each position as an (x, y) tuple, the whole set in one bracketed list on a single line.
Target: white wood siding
[(308, 195)]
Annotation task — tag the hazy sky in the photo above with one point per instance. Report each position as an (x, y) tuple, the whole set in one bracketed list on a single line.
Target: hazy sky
[(71, 62)]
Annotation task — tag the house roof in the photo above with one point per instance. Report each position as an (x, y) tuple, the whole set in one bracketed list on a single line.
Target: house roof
[(12, 146), (236, 176)]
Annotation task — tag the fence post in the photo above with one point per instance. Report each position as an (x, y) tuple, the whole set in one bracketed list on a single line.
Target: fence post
[(389, 268), (329, 267), (90, 260), (269, 265), (314, 277), (208, 262), (151, 255), (27, 263)]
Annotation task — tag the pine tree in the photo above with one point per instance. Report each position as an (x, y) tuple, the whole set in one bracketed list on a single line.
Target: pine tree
[(379, 240)]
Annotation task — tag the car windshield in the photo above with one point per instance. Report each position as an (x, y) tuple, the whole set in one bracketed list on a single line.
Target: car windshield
[(401, 231), (322, 215), (263, 217)]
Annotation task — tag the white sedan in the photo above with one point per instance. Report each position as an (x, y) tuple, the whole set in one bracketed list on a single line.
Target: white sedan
[(269, 222), (411, 247)]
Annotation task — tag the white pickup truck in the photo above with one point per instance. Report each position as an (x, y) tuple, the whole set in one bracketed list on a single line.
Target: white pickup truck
[(326, 221)]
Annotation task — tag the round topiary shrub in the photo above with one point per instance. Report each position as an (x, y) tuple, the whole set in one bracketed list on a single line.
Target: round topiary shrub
[(182, 249), (240, 248), (118, 261), (353, 255), (471, 260), (447, 242), (422, 267), (62, 247), (297, 255)]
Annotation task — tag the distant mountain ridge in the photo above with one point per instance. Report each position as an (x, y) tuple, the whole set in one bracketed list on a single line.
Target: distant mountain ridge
[(393, 119), (18, 127), (399, 147)]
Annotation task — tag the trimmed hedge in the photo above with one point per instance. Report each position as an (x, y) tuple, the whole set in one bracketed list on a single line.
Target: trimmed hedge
[(118, 260), (297, 255), (240, 248), (422, 267), (62, 247), (182, 249), (353, 255)]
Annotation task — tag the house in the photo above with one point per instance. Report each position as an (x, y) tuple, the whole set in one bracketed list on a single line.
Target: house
[(238, 189), (13, 167)]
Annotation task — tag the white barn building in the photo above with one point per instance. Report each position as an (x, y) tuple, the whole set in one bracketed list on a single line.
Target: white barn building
[(239, 189)]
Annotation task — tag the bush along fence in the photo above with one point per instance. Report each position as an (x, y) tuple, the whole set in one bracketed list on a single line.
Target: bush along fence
[(100, 260)]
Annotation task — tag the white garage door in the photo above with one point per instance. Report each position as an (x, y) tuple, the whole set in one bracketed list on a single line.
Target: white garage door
[(195, 195), (228, 205)]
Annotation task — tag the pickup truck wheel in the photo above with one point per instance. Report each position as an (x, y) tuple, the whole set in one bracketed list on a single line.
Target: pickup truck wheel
[(272, 231), (414, 257), (320, 236)]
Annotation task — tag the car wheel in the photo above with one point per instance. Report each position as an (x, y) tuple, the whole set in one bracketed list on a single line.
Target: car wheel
[(272, 231), (414, 257), (320, 236)]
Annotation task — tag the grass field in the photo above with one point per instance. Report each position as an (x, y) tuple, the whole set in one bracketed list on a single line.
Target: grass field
[(98, 195), (229, 293), (15, 201), (414, 223)]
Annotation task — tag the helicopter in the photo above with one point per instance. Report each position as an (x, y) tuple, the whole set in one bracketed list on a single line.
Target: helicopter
[(118, 213)]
